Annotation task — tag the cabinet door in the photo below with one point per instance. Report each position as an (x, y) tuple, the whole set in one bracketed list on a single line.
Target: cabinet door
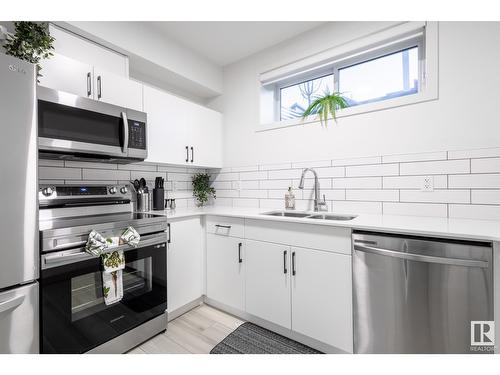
[(268, 282), (322, 297), (167, 134), (226, 270), (65, 74), (118, 90), (205, 136), (184, 263)]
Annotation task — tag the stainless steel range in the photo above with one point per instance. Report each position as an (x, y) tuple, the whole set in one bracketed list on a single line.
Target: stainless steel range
[(74, 317)]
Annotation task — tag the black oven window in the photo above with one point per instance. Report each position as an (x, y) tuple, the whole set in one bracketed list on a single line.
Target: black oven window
[(87, 294)]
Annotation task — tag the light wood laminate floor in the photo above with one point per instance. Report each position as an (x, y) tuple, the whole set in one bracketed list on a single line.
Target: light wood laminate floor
[(195, 332)]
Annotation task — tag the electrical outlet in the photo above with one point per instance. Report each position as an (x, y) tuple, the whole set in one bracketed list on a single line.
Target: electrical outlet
[(427, 183)]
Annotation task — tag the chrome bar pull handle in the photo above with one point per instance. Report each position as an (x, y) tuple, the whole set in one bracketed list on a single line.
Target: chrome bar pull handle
[(89, 84)]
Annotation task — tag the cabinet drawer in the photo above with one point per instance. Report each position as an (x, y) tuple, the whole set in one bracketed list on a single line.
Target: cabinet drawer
[(226, 226), (334, 239)]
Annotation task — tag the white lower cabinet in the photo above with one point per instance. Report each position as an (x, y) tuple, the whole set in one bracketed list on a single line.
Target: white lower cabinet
[(268, 282), (322, 297), (226, 261), (184, 263)]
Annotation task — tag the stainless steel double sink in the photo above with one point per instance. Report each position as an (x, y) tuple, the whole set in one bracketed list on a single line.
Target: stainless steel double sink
[(310, 215)]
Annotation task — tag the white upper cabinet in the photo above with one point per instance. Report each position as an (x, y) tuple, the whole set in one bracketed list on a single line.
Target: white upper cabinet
[(72, 76), (65, 74), (167, 134), (181, 132), (115, 89)]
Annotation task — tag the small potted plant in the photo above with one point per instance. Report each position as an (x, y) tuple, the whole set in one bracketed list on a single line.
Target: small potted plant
[(30, 42), (326, 106), (202, 190)]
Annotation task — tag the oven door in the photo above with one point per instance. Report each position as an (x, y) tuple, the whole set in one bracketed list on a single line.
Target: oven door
[(74, 316)]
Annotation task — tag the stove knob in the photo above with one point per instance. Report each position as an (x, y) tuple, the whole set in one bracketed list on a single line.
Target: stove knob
[(47, 191), (123, 190), (112, 190)]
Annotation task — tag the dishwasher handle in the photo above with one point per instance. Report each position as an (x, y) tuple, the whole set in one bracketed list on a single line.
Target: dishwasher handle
[(421, 258)]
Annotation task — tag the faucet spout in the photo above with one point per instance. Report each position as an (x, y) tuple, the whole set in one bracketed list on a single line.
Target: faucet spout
[(319, 205)]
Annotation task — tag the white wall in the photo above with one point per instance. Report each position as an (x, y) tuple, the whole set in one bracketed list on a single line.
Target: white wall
[(465, 115)]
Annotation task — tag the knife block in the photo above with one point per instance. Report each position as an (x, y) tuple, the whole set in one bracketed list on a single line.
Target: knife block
[(158, 199)]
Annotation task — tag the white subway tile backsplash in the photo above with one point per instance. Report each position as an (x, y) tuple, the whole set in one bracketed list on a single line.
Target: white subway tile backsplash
[(474, 181), (436, 196), (415, 209), (222, 185), (228, 193), (275, 184), (330, 172), (226, 176), (474, 153), (149, 176), (271, 167), (245, 202), (324, 183), (260, 175), (474, 211), (246, 184), (485, 197), (372, 195), (253, 194), (435, 167), (414, 157), (413, 182), (249, 168), (104, 174), (487, 165), (272, 203), (86, 164), (226, 202), (357, 161), (50, 163), (353, 207), (52, 173), (372, 170), (312, 164), (162, 168), (138, 167), (284, 174), (357, 183)]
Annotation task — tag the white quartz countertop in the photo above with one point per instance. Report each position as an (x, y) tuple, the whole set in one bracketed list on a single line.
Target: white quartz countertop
[(484, 230)]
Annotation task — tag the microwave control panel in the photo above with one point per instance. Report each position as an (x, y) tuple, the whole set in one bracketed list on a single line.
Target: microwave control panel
[(136, 134)]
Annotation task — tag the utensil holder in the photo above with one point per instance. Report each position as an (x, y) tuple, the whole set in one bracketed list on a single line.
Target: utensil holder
[(143, 202), (158, 199)]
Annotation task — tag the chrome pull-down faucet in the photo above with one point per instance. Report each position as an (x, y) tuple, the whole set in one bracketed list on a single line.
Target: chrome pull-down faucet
[(319, 204)]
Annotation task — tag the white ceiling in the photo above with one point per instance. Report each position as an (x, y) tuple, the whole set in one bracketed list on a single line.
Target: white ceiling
[(226, 42)]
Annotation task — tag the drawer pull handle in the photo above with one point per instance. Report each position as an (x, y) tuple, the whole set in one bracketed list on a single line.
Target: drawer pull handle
[(285, 270), (239, 253), (223, 226)]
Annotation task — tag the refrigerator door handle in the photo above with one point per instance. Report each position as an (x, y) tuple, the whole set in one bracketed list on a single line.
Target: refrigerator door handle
[(11, 304)]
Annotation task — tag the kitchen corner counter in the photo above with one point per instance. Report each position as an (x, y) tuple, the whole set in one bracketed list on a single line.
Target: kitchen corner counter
[(483, 230)]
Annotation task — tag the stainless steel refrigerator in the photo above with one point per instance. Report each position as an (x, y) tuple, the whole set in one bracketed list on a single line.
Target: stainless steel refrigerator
[(19, 259)]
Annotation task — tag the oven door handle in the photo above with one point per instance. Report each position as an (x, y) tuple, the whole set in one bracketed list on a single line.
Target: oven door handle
[(78, 255)]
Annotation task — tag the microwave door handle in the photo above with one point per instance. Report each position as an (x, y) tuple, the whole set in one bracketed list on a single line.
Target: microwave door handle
[(125, 132)]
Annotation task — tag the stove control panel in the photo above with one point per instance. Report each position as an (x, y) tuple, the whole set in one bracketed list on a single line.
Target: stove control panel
[(82, 192)]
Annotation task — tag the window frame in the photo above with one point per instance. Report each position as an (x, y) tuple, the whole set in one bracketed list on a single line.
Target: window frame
[(335, 67), (388, 41)]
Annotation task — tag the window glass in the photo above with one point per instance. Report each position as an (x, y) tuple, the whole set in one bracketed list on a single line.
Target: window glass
[(379, 79), (295, 99)]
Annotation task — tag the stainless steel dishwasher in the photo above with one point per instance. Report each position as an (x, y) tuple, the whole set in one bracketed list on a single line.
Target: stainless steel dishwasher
[(419, 295)]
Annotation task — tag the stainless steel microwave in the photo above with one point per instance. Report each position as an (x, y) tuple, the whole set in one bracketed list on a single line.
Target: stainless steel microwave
[(73, 127)]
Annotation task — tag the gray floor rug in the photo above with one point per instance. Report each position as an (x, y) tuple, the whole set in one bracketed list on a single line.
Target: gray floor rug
[(252, 339)]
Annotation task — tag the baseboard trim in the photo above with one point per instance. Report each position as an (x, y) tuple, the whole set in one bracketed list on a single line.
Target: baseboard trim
[(318, 345), (184, 309)]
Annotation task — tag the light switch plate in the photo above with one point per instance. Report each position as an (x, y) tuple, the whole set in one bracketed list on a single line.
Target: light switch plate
[(427, 183)]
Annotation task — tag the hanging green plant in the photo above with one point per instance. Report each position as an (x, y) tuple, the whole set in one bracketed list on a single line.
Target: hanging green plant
[(326, 106), (202, 190), (31, 42)]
